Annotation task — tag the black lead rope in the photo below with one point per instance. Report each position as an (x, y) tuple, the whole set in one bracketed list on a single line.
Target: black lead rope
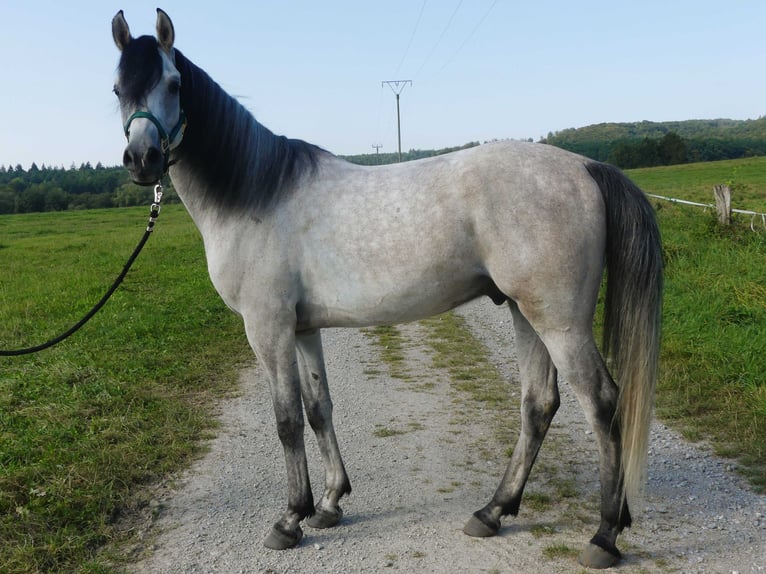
[(154, 213)]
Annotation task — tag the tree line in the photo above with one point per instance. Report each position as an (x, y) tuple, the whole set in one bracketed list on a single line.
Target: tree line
[(393, 157), (57, 189), (670, 149)]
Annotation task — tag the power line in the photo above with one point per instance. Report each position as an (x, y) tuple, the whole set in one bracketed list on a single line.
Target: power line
[(397, 86), (441, 36), (476, 27), (412, 36), (401, 62)]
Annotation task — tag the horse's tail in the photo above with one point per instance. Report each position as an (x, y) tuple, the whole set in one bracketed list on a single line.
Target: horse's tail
[(632, 312)]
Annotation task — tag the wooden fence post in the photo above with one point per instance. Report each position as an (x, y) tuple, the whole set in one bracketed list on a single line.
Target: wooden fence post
[(722, 195)]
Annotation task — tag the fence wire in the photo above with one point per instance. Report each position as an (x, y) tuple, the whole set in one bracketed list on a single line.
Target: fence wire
[(754, 215)]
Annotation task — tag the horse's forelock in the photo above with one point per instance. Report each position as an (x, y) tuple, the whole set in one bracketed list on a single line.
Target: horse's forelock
[(140, 68)]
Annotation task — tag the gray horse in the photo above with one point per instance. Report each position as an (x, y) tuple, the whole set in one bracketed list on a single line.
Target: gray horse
[(298, 239)]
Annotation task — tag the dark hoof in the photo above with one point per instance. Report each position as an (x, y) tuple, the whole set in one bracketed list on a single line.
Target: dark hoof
[(596, 557), (478, 529), (279, 539), (325, 518)]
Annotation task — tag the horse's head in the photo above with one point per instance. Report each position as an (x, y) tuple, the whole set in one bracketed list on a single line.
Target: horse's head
[(148, 86)]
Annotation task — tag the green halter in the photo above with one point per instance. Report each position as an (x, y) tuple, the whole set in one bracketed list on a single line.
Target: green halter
[(166, 139)]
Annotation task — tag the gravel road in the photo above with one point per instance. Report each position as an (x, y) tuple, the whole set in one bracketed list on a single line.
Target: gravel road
[(417, 459)]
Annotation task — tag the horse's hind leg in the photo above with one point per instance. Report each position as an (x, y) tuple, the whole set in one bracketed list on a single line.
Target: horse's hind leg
[(597, 393), (316, 400), (581, 365), (539, 402)]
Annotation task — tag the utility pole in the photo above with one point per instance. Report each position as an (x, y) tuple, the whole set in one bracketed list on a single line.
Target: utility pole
[(397, 86), (377, 152)]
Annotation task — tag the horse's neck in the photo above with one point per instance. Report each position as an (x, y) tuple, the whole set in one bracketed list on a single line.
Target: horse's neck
[(228, 163), (216, 158)]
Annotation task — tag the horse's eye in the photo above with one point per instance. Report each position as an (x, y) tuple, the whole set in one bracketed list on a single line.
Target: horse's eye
[(116, 91)]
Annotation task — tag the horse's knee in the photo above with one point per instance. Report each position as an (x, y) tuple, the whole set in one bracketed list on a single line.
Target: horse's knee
[(538, 412), (290, 430), (319, 413)]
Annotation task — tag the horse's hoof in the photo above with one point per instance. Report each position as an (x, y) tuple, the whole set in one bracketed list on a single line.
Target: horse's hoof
[(596, 557), (279, 539), (325, 518), (478, 529)]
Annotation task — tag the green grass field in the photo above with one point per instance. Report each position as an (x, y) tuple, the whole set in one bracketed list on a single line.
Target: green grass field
[(124, 401), (695, 181), (713, 381), (87, 426)]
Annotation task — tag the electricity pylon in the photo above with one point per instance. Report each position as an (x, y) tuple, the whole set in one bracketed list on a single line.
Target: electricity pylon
[(377, 152), (397, 86)]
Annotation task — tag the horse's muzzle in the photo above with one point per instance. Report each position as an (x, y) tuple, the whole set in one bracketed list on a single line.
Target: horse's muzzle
[(146, 166)]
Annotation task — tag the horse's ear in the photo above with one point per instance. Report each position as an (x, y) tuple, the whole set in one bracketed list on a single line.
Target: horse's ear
[(165, 33), (120, 31)]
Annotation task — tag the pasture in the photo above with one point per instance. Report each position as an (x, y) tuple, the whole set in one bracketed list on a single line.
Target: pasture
[(84, 426), (695, 181), (87, 427), (712, 384)]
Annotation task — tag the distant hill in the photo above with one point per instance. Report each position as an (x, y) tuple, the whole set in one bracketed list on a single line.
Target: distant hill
[(705, 140)]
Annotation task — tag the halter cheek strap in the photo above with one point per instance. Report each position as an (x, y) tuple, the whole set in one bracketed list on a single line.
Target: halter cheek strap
[(166, 139)]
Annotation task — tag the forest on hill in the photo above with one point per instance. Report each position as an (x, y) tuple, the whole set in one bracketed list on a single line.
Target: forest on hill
[(648, 144)]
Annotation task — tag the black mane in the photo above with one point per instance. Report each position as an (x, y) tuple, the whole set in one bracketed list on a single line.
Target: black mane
[(241, 163)]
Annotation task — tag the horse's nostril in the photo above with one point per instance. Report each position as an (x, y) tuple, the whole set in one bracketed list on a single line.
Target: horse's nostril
[(152, 156), (127, 158)]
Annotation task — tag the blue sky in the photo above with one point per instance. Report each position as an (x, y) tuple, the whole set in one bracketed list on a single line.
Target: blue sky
[(480, 69)]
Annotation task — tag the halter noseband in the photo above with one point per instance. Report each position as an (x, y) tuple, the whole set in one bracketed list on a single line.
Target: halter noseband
[(166, 139)]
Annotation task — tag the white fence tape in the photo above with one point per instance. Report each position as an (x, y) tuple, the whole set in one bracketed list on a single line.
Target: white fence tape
[(753, 214)]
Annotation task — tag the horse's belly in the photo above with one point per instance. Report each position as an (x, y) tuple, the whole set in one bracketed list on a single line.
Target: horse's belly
[(360, 305)]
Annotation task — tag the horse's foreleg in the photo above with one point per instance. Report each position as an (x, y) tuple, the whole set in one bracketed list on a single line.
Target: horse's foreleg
[(316, 400), (540, 400), (276, 352)]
